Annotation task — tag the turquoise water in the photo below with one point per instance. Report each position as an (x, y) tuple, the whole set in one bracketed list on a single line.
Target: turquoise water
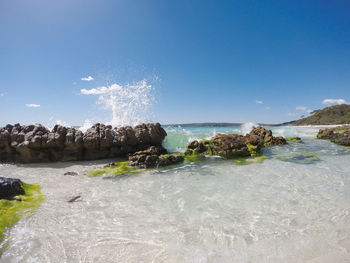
[(293, 207)]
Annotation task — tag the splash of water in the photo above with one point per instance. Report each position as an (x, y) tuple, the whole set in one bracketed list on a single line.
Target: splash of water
[(129, 104), (247, 127)]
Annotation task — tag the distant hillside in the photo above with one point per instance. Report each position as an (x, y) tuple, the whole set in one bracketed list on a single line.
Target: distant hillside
[(339, 114)]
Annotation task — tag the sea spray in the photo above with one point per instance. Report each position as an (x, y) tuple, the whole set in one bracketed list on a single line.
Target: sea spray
[(247, 127), (128, 103)]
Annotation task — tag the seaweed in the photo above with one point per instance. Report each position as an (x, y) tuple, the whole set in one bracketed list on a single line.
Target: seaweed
[(246, 161), (11, 211), (117, 168), (299, 158)]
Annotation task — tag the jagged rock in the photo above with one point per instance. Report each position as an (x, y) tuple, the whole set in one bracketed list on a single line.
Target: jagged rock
[(154, 156), (339, 135), (147, 158), (230, 145), (266, 135), (169, 160), (35, 143), (10, 187)]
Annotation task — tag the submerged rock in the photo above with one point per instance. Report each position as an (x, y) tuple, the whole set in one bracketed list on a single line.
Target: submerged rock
[(35, 143), (10, 187), (339, 135), (294, 139), (299, 158)]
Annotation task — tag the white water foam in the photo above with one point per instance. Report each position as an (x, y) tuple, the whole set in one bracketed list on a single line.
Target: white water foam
[(247, 127), (129, 104)]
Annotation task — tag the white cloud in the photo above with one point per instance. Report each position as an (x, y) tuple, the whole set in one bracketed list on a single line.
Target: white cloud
[(33, 105), (259, 102), (89, 78), (330, 102), (102, 90), (268, 108), (303, 108)]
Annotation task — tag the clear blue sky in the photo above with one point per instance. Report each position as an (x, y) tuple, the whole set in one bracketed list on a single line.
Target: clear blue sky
[(234, 61)]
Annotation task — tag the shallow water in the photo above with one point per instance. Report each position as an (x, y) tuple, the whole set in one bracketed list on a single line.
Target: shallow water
[(213, 211)]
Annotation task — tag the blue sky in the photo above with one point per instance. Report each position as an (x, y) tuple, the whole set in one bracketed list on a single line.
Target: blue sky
[(233, 61)]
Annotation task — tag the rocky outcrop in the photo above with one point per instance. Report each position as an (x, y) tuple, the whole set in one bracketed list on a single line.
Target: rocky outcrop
[(154, 157), (10, 187), (267, 137), (339, 135), (234, 145), (35, 143)]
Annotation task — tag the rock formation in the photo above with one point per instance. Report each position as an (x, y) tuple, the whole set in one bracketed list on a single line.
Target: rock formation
[(234, 145), (35, 143), (339, 135), (154, 157)]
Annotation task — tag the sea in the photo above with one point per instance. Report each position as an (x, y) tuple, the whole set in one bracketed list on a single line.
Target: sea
[(293, 206)]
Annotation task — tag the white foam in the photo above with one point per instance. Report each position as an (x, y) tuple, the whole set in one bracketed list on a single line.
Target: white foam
[(247, 127)]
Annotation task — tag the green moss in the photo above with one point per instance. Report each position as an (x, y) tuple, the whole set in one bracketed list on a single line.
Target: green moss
[(11, 211), (293, 139), (267, 142), (299, 158), (253, 149), (194, 157), (246, 161), (340, 131), (119, 168), (210, 146)]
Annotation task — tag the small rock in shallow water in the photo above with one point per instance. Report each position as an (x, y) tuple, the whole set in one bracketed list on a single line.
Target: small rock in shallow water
[(71, 173), (74, 199)]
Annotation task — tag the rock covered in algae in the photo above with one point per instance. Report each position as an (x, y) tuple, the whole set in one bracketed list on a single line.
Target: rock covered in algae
[(266, 135), (299, 158), (154, 157), (294, 139), (21, 205), (234, 145), (339, 135)]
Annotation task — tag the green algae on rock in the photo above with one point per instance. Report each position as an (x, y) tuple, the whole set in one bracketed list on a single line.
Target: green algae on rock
[(299, 158), (339, 135), (235, 146), (294, 139), (11, 211), (115, 169), (246, 161)]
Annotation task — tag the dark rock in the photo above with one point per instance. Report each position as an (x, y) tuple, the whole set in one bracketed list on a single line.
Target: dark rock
[(147, 158), (169, 160), (230, 145), (70, 173), (74, 199), (266, 135), (10, 187), (35, 143)]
